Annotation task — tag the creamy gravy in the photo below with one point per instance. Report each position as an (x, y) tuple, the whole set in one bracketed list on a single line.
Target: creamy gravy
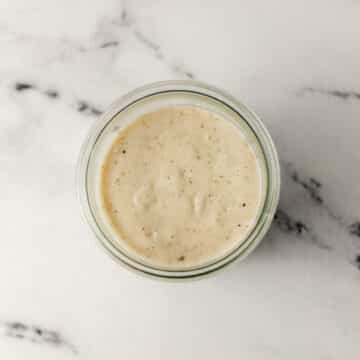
[(181, 186)]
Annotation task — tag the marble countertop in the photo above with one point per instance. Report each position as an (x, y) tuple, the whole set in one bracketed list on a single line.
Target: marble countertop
[(296, 63)]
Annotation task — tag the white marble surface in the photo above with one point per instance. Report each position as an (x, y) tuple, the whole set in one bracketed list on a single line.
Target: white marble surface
[(296, 63)]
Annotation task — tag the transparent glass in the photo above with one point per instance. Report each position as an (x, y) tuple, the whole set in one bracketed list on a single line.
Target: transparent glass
[(149, 98)]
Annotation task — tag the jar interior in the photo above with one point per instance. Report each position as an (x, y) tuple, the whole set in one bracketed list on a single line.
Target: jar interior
[(124, 117)]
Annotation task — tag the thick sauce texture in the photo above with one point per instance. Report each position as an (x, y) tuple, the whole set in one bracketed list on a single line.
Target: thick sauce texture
[(181, 186)]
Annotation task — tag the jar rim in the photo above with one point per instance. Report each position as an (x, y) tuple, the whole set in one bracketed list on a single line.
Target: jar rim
[(270, 157)]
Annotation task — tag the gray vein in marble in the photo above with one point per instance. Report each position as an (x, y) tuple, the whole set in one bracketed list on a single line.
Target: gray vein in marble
[(357, 261), (87, 108), (289, 224), (311, 186), (81, 105), (111, 40), (182, 71), (67, 43), (51, 93), (107, 44), (354, 229), (125, 19), (36, 334), (19, 86), (313, 189), (129, 22), (155, 48), (340, 94)]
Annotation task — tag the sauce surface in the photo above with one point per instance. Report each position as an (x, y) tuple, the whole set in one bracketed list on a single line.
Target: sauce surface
[(181, 186)]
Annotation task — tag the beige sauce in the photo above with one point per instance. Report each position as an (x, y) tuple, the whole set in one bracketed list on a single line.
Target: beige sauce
[(181, 186)]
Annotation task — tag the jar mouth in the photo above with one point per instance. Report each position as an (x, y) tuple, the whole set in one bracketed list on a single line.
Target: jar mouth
[(244, 114)]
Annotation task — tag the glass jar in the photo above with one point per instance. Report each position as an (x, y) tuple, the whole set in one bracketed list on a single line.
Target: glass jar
[(149, 98)]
